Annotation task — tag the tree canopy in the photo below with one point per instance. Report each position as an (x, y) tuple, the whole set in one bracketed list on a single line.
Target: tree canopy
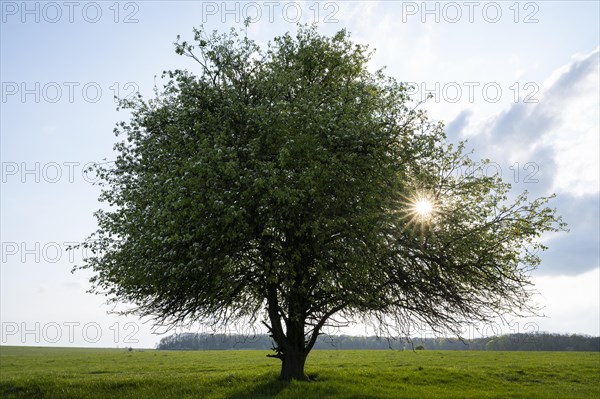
[(292, 186)]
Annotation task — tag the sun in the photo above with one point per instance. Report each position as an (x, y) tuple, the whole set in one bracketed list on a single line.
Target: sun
[(420, 211), (423, 207)]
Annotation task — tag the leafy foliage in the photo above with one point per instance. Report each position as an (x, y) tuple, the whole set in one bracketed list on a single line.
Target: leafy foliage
[(278, 186)]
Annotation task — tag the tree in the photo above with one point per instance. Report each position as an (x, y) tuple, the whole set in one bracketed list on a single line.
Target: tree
[(291, 186)]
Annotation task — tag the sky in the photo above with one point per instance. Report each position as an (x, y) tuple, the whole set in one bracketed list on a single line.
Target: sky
[(518, 80)]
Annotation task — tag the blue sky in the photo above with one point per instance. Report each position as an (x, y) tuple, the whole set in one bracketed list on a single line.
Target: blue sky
[(519, 80)]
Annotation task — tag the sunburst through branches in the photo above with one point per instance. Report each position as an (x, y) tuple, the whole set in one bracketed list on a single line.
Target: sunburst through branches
[(423, 208), (419, 211)]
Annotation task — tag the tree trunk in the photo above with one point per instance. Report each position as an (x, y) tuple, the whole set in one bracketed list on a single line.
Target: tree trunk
[(292, 366), (290, 344)]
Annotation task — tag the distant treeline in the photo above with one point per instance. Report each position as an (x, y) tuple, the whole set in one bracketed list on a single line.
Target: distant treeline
[(510, 342)]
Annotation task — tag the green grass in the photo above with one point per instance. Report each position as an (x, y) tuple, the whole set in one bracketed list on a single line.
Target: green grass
[(27, 372)]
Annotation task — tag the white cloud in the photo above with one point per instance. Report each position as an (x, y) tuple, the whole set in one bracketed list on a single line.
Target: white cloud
[(561, 129), (576, 309)]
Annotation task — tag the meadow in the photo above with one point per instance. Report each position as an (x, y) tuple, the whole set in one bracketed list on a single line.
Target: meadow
[(32, 372)]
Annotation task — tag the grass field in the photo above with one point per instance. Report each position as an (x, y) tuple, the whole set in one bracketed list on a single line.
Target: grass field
[(28, 372)]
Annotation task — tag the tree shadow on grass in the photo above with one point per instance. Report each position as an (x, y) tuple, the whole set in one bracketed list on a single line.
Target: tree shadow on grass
[(266, 389), (270, 387), (13, 390)]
